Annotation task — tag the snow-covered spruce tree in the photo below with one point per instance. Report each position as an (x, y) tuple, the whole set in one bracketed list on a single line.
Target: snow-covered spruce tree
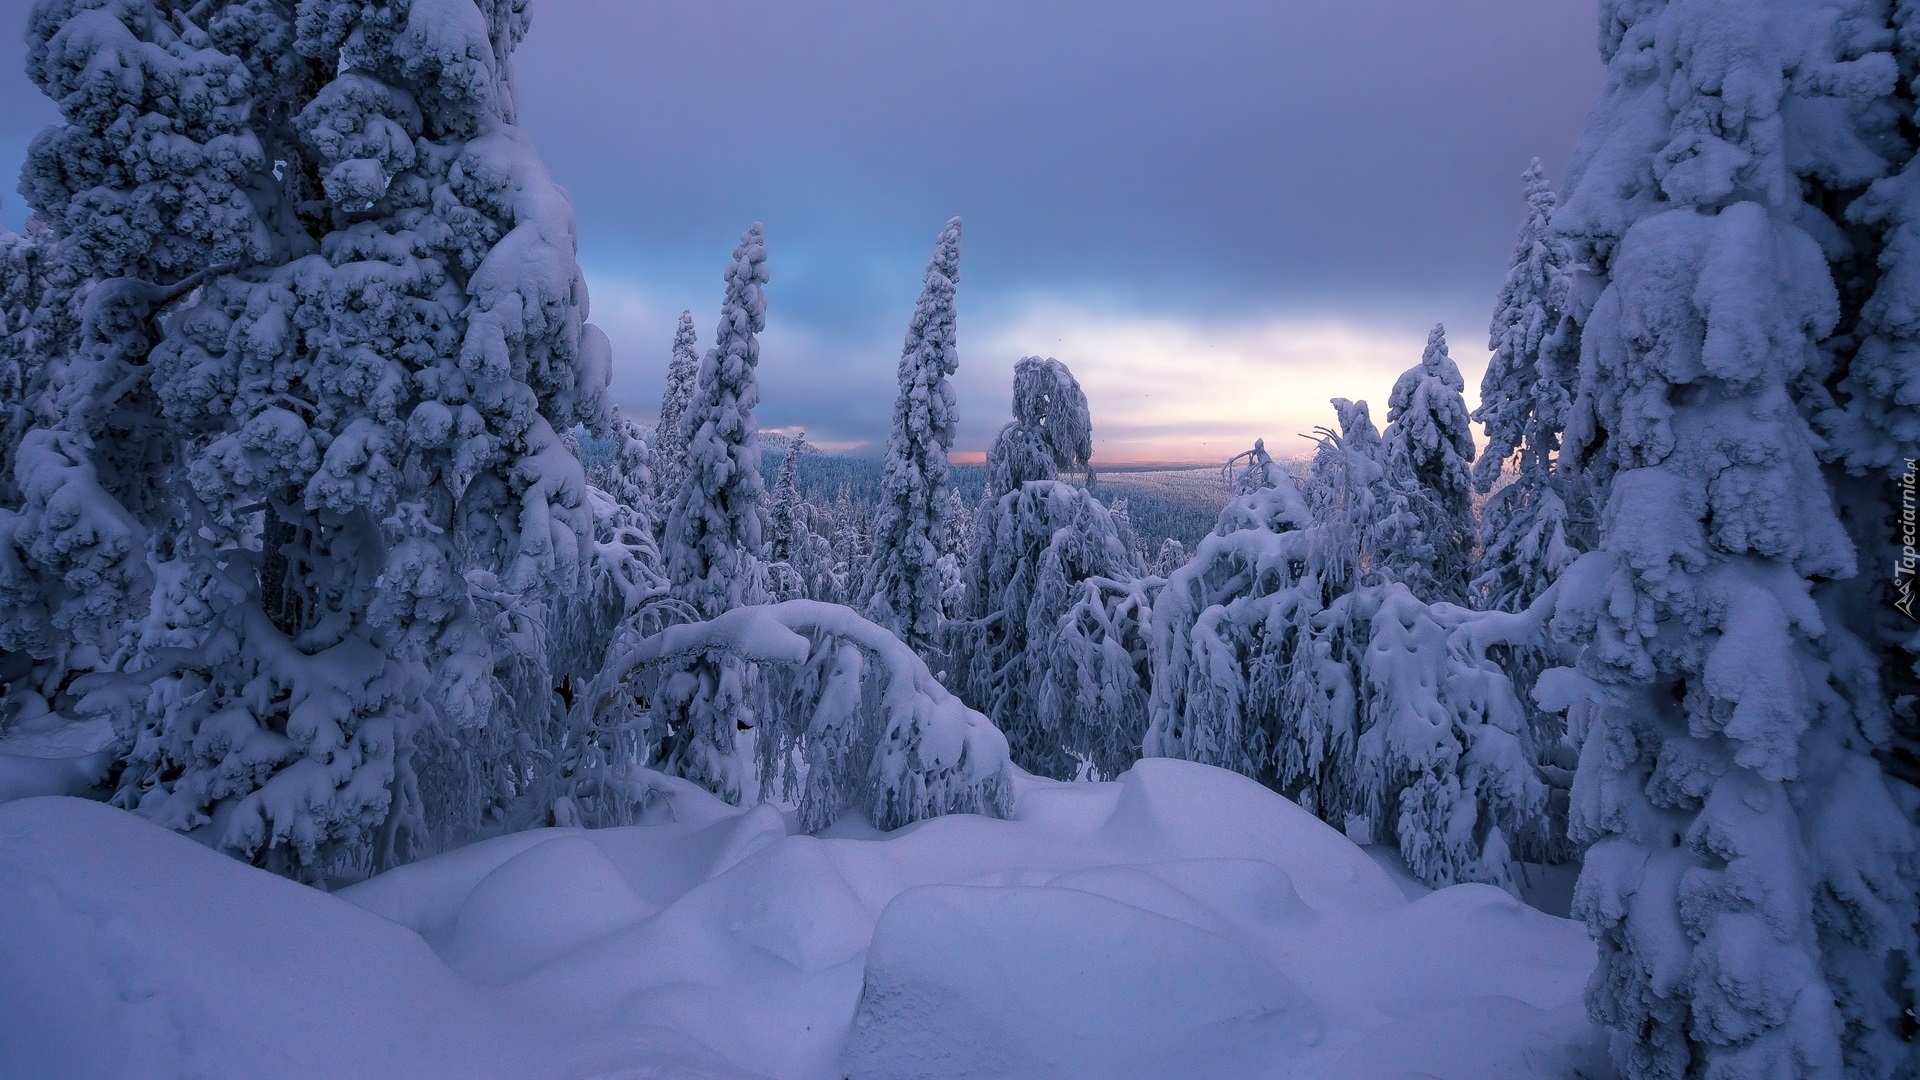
[(624, 570), (1752, 873), (1347, 491), (670, 435), (957, 546), (1037, 540), (1873, 425), (851, 536), (1095, 691), (1241, 676), (1426, 538), (904, 590), (786, 514), (1524, 527), (315, 324), (715, 535), (1528, 534), (719, 521), (1277, 651), (800, 563)]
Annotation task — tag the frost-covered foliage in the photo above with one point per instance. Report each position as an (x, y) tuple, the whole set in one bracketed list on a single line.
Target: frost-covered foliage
[(1041, 552), (1425, 537), (786, 512), (1171, 556), (1524, 529), (1097, 680), (24, 274), (718, 522), (824, 688), (1752, 872), (1050, 432), (624, 570), (1277, 652), (1529, 530), (1035, 544), (671, 434), (314, 326), (905, 589), (717, 529), (801, 565)]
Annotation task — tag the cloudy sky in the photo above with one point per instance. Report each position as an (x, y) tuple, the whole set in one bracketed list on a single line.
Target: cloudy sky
[(1219, 214)]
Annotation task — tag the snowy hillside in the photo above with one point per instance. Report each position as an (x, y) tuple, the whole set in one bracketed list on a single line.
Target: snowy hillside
[(1181, 921)]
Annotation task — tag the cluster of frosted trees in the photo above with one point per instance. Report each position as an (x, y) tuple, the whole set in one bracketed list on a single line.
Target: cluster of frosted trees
[(310, 489)]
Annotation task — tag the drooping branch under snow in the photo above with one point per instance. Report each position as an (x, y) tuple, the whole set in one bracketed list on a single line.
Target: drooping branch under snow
[(875, 728)]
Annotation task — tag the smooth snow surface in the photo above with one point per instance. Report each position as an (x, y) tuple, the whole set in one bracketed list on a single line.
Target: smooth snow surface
[(1179, 921)]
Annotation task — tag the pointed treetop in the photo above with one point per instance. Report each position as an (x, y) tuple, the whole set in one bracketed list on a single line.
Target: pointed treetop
[(746, 308)]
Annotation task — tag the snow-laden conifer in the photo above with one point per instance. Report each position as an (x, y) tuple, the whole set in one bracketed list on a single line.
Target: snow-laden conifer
[(786, 512), (1279, 651), (1035, 542), (715, 537), (1751, 874), (315, 326), (904, 589), (671, 435), (718, 521), (1524, 528), (800, 561), (1426, 539)]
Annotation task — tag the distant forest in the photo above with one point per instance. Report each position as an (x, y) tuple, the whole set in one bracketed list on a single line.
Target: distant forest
[(1181, 504)]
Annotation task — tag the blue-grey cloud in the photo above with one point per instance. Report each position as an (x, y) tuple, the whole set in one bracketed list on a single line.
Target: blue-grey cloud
[(1227, 167)]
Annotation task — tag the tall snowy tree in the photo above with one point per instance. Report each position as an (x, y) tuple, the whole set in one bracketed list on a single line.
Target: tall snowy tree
[(1752, 873), (315, 324), (718, 521), (715, 537), (1426, 540), (670, 436), (1524, 528), (1528, 533), (904, 590)]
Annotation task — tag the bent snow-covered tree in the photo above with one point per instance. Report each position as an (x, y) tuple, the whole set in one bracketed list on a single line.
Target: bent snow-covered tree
[(1038, 539), (1751, 875), (905, 590), (317, 322), (875, 731)]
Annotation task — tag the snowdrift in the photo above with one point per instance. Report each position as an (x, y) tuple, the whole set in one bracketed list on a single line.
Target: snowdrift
[(1180, 921)]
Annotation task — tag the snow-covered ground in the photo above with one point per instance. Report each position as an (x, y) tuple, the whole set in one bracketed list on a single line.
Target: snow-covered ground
[(1180, 921)]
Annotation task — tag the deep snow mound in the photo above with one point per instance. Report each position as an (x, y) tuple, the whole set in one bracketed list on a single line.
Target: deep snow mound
[(1180, 918)]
